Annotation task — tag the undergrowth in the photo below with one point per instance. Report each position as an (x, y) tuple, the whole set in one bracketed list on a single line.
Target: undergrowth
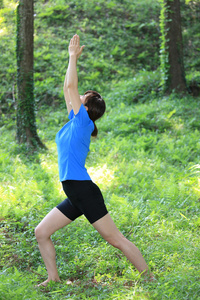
[(121, 39), (145, 159), (146, 162)]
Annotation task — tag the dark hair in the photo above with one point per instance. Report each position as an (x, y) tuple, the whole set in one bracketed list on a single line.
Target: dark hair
[(96, 107)]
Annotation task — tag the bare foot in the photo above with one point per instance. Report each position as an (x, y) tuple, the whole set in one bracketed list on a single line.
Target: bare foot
[(45, 283), (148, 277)]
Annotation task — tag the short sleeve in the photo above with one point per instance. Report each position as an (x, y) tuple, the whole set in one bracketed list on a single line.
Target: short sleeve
[(71, 115), (82, 117)]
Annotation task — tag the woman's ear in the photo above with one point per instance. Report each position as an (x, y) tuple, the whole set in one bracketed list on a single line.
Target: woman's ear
[(86, 108)]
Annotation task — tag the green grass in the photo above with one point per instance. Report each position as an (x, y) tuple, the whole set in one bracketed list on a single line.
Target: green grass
[(146, 161)]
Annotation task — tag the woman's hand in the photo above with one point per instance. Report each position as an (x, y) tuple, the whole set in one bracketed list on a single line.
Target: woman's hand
[(74, 46)]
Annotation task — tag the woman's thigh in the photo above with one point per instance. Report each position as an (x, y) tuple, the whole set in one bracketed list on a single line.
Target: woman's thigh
[(107, 229), (53, 221)]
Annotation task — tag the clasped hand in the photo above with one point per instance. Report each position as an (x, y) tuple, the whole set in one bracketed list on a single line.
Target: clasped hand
[(74, 46)]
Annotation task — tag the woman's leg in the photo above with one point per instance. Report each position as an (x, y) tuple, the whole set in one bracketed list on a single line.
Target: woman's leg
[(53, 221), (108, 230)]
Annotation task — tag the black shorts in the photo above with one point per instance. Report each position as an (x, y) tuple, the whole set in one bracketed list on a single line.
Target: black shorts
[(84, 197)]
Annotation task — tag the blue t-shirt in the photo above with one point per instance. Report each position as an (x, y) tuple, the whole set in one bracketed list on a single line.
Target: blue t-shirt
[(73, 142)]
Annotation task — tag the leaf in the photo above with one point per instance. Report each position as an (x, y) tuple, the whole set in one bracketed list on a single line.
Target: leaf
[(183, 216), (115, 50), (171, 113)]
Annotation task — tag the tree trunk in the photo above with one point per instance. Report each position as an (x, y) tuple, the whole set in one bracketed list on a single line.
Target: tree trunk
[(26, 124), (174, 65)]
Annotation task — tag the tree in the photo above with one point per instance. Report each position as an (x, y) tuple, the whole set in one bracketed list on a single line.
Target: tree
[(172, 64), (26, 124)]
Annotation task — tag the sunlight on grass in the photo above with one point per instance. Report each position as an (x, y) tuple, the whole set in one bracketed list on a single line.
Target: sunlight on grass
[(152, 191), (102, 174), (3, 31), (28, 183), (197, 189), (177, 125), (195, 171)]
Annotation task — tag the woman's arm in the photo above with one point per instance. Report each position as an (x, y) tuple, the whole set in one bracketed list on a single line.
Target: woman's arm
[(66, 95), (72, 77)]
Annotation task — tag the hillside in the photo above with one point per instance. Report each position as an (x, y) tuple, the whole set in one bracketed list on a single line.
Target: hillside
[(121, 38)]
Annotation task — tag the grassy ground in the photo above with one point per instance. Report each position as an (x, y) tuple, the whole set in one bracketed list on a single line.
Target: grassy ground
[(146, 161)]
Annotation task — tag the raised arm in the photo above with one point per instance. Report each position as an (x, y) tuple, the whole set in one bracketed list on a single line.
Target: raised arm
[(71, 93), (66, 94)]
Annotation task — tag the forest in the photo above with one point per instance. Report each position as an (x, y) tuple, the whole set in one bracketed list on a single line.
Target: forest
[(146, 158)]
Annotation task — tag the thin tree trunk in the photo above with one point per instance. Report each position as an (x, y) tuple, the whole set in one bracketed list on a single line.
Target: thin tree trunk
[(174, 46), (26, 124)]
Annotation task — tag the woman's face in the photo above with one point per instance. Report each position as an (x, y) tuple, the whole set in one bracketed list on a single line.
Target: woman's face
[(82, 98)]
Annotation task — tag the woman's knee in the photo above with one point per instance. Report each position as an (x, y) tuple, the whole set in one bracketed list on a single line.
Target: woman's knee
[(41, 233), (116, 240)]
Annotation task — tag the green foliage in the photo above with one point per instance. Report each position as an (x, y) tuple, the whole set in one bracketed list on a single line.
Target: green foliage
[(16, 285), (145, 159), (57, 14), (190, 37), (137, 89), (8, 65), (146, 162), (164, 64), (109, 49), (121, 38)]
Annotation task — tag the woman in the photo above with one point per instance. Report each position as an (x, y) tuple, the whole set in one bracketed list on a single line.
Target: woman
[(84, 197)]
